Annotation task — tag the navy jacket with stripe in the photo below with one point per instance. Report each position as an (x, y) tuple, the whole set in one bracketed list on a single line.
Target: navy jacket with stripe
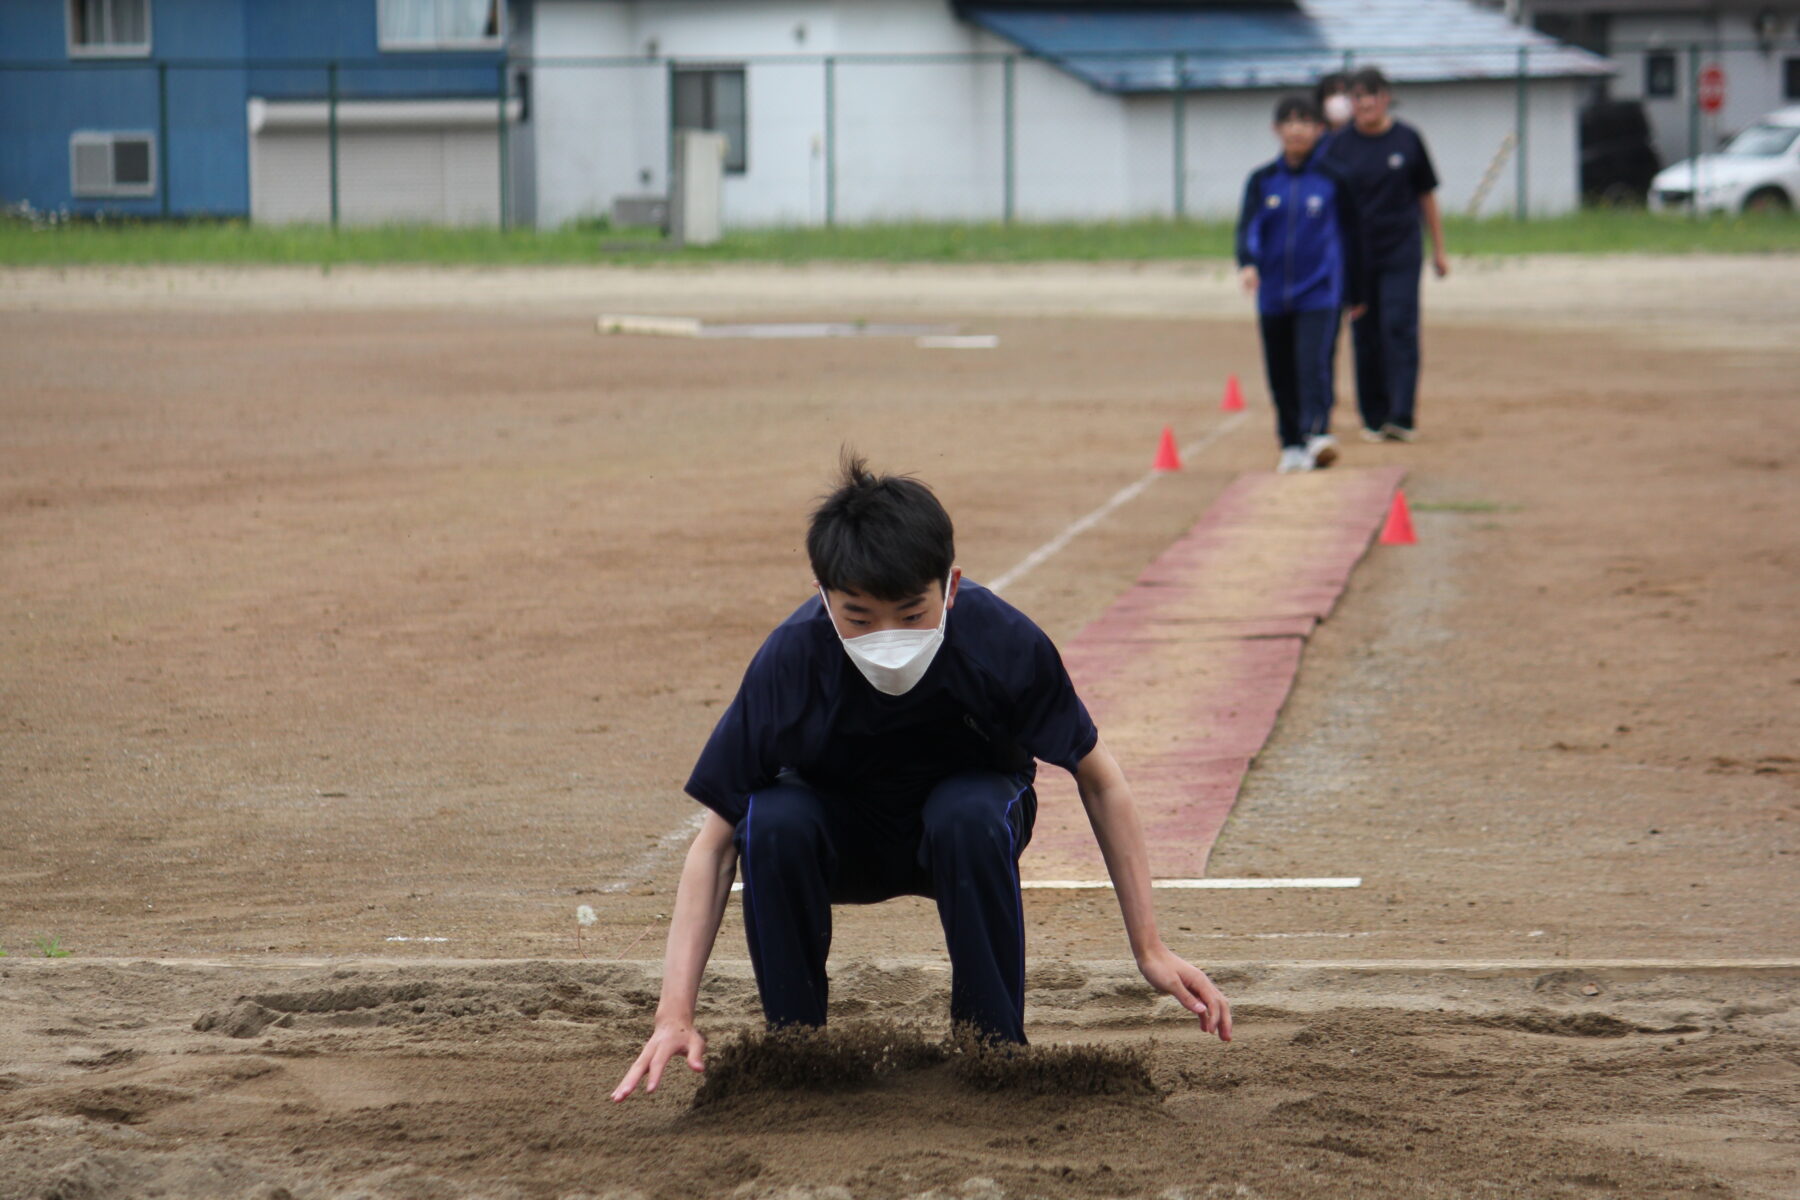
[(1299, 228)]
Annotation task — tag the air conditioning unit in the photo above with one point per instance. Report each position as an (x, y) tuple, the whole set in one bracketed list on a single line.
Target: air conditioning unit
[(639, 212)]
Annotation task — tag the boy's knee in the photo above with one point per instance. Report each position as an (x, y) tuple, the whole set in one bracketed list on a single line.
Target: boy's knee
[(783, 821), (971, 813)]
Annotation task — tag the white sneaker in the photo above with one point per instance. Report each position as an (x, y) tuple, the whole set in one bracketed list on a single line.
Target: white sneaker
[(1322, 450), (1293, 458), (1397, 433), (1372, 435)]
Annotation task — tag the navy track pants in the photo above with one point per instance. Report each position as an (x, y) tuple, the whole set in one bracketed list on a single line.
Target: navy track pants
[(1386, 338), (1297, 350), (801, 851)]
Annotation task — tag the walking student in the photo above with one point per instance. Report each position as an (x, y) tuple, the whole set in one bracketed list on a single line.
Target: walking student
[(1299, 250), (1395, 185), (882, 744)]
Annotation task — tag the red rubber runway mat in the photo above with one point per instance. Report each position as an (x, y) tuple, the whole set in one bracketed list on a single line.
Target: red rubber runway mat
[(1186, 672)]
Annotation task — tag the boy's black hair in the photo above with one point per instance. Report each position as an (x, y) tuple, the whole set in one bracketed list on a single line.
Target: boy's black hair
[(885, 536), (1331, 83), (1370, 80), (1296, 105)]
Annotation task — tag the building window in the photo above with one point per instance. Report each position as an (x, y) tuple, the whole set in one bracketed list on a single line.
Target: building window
[(112, 164), (439, 24), (101, 27), (1790, 79), (1659, 74), (713, 98)]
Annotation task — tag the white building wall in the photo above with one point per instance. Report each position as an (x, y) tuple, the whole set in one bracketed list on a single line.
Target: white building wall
[(590, 123), (1753, 77), (915, 140), (604, 126), (926, 140), (1464, 125), (1228, 136), (1076, 156)]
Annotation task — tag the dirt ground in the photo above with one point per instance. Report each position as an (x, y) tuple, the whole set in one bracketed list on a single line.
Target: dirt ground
[(339, 610)]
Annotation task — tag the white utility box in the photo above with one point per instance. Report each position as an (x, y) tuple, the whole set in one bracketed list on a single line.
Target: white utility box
[(695, 192)]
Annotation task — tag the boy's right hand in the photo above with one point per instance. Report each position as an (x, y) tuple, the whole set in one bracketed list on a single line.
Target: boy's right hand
[(1249, 278), (671, 1038)]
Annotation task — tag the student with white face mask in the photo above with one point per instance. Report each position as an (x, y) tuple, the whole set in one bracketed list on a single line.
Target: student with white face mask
[(1332, 95), (884, 743), (893, 660)]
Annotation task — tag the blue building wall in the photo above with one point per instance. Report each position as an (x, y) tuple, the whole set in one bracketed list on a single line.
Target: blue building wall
[(207, 58), (345, 30)]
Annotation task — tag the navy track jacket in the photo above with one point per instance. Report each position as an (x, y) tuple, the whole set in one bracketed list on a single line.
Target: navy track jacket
[(1299, 228)]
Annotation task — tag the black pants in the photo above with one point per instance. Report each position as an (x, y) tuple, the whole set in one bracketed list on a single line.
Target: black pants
[(1297, 355), (802, 851), (1387, 346)]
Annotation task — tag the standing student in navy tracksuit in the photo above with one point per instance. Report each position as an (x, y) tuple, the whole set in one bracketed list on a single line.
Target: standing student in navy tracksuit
[(1300, 251), (1395, 184), (882, 745)]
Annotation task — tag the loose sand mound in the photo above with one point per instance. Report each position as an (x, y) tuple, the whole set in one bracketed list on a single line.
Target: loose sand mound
[(490, 1080), (872, 1053)]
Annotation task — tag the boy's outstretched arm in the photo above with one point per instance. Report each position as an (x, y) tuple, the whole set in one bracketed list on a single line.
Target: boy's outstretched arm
[(699, 907), (1113, 814)]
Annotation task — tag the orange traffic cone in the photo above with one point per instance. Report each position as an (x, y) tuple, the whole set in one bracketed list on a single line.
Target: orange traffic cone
[(1399, 528), (1168, 458), (1234, 396)]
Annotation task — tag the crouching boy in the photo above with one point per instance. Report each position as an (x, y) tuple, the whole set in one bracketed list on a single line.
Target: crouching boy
[(882, 744), (1299, 249)]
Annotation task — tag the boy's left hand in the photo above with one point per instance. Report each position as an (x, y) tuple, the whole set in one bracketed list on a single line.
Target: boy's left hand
[(1357, 311), (1169, 972)]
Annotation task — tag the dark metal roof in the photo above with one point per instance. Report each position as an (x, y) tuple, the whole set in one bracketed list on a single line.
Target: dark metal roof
[(1286, 43)]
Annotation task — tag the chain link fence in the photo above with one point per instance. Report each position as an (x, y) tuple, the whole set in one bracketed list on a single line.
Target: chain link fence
[(817, 139)]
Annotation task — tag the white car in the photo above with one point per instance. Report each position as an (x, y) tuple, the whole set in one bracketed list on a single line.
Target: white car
[(1757, 171)]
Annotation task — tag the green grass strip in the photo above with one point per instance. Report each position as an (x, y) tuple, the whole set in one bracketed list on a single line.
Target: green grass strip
[(73, 243), (1464, 506)]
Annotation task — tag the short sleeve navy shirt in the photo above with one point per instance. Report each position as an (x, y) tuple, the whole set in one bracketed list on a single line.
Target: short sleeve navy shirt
[(1388, 173), (995, 698)]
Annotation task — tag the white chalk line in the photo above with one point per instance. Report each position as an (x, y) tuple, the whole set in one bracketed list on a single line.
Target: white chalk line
[(1348, 881), (1120, 498), (1097, 885), (1025, 566), (648, 860)]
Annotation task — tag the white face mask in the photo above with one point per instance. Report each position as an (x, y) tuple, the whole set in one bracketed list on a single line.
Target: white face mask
[(894, 660), (1339, 109)]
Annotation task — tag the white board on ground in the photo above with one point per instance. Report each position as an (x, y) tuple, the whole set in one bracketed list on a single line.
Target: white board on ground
[(655, 326), (959, 341)]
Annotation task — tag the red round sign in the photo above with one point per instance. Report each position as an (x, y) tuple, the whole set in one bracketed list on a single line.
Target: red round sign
[(1712, 88)]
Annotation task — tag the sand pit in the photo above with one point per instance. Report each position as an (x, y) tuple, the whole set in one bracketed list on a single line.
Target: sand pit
[(490, 1080)]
